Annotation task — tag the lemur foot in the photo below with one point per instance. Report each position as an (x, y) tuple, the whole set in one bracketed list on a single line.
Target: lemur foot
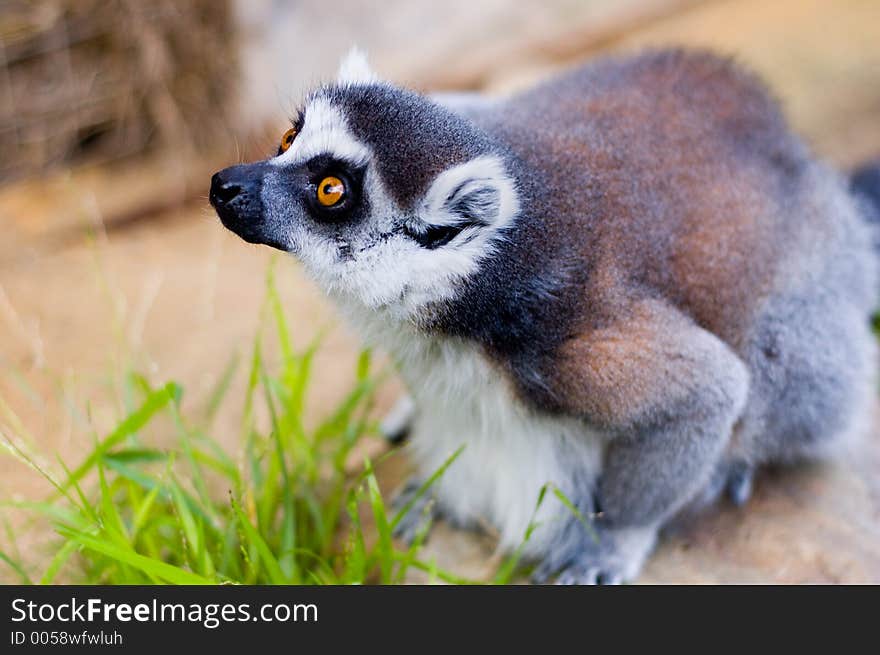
[(396, 425), (611, 556), (421, 512), (739, 483), (732, 479)]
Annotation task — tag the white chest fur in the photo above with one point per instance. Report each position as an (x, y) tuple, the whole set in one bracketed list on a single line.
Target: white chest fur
[(510, 452)]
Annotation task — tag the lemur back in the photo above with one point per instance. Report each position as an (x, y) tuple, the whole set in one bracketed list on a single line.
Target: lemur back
[(672, 174)]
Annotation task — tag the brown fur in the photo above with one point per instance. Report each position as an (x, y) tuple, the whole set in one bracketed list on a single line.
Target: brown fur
[(618, 374), (687, 170)]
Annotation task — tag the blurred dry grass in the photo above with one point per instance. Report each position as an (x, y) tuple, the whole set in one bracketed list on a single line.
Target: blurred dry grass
[(98, 80)]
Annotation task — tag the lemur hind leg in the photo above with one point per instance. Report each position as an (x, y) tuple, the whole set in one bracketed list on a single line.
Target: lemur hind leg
[(669, 392), (738, 482), (814, 379), (733, 478)]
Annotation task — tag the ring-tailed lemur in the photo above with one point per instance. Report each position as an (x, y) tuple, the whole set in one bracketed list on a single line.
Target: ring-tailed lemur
[(631, 282)]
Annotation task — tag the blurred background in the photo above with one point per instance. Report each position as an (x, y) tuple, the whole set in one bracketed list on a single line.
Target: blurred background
[(114, 114)]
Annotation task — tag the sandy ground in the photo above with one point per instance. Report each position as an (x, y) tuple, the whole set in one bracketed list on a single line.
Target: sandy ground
[(173, 292)]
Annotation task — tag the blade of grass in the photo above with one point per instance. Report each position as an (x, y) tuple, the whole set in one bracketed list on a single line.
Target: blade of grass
[(440, 574), (276, 575), (385, 548), (110, 518), (132, 423), (156, 568), (58, 561), (570, 506), (403, 511), (221, 388), (356, 550), (16, 566), (509, 567)]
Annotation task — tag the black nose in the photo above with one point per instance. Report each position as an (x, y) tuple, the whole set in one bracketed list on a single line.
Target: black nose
[(236, 194), (223, 192)]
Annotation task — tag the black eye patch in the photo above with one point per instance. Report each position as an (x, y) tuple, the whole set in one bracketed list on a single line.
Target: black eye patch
[(326, 164), (318, 170)]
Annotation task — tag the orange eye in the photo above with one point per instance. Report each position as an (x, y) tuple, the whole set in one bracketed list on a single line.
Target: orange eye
[(330, 191), (287, 139)]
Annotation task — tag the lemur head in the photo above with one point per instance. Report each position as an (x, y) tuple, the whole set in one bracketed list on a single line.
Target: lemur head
[(388, 198)]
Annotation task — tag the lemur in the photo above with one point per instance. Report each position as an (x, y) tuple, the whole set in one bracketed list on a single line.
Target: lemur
[(632, 283)]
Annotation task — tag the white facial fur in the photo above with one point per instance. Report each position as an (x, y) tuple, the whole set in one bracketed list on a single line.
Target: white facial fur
[(324, 131), (376, 265), (394, 271)]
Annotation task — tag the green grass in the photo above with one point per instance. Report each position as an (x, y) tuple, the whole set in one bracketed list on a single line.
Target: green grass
[(283, 508)]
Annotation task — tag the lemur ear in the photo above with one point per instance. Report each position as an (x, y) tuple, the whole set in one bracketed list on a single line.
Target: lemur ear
[(476, 193), (354, 69)]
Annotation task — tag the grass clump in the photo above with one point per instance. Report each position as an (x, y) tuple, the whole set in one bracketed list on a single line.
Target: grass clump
[(283, 509)]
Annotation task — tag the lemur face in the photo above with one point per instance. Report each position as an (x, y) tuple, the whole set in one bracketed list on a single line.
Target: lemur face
[(386, 197)]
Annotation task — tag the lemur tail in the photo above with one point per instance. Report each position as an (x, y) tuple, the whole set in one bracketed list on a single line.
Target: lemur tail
[(865, 184)]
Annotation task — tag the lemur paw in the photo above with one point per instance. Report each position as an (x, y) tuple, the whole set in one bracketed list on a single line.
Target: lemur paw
[(420, 514), (614, 556), (731, 479), (739, 483), (586, 574)]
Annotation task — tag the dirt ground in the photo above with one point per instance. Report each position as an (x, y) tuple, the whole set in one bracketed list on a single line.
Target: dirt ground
[(98, 267)]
